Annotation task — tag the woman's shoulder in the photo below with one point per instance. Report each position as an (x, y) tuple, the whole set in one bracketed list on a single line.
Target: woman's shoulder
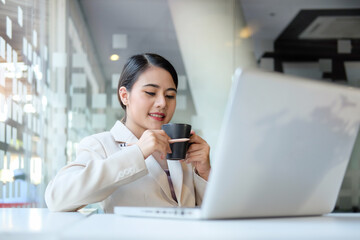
[(102, 143), (108, 139), (97, 138)]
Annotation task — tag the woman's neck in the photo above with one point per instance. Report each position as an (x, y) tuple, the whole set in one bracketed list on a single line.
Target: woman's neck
[(134, 129)]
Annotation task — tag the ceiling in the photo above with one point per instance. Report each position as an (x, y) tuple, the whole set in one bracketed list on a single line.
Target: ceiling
[(268, 18), (147, 24), (149, 27)]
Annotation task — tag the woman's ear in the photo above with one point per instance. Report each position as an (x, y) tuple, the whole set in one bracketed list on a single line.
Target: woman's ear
[(124, 95)]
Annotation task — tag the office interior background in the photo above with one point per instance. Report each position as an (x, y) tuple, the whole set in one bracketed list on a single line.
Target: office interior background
[(60, 62)]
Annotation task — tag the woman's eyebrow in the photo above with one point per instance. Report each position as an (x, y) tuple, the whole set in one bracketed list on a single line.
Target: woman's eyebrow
[(171, 89), (151, 85), (157, 86)]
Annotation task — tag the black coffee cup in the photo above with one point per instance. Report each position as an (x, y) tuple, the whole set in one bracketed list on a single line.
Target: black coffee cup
[(176, 131)]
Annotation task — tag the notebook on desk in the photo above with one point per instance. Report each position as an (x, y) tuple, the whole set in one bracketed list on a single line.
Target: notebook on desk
[(283, 149)]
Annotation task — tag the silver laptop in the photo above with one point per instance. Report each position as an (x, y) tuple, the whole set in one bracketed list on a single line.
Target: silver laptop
[(283, 149)]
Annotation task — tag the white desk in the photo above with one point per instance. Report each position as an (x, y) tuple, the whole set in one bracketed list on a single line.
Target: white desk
[(109, 226), (41, 224), (34, 223)]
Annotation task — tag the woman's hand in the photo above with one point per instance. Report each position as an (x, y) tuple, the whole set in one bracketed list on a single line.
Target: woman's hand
[(198, 155), (154, 141)]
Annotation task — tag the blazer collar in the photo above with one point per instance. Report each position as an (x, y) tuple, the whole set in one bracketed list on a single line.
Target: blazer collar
[(122, 134)]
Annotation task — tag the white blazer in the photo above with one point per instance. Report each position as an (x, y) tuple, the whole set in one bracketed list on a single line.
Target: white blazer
[(119, 176)]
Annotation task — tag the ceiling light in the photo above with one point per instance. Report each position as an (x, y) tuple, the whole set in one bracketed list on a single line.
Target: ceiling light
[(114, 57), (246, 32)]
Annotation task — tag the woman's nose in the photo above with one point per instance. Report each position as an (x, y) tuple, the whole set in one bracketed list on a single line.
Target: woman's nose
[(161, 101)]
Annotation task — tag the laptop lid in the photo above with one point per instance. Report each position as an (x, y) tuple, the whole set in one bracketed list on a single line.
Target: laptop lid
[(283, 148)]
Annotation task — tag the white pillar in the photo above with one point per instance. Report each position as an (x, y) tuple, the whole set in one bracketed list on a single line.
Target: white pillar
[(209, 37)]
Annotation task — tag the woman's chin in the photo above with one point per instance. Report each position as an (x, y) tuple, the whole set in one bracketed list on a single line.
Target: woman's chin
[(156, 126)]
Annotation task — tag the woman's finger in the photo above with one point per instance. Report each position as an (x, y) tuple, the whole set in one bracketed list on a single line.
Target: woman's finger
[(162, 137), (194, 160), (165, 143), (163, 133), (196, 139), (195, 148), (200, 157), (162, 147), (196, 154), (162, 140), (178, 140)]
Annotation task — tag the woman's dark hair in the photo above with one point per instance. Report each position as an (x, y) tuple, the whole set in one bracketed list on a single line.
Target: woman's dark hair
[(136, 65)]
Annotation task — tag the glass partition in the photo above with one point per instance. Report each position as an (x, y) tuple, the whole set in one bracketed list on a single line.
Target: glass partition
[(24, 101)]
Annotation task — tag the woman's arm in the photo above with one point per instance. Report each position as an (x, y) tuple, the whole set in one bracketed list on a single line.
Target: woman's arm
[(93, 176)]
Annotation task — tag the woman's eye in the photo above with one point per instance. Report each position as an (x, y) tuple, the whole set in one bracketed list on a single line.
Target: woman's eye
[(150, 93), (170, 97)]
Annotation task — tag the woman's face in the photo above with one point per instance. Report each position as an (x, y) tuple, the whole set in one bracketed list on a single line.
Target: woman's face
[(151, 102)]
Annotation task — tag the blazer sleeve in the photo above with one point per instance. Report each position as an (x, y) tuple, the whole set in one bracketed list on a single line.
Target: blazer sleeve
[(93, 176), (200, 187)]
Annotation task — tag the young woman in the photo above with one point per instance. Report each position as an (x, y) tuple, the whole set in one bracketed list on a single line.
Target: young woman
[(127, 166)]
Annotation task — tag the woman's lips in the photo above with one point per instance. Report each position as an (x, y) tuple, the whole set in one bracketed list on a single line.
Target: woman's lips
[(157, 116)]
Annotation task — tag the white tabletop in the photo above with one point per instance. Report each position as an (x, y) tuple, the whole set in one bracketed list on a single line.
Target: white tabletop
[(34, 223), (27, 224), (110, 226)]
